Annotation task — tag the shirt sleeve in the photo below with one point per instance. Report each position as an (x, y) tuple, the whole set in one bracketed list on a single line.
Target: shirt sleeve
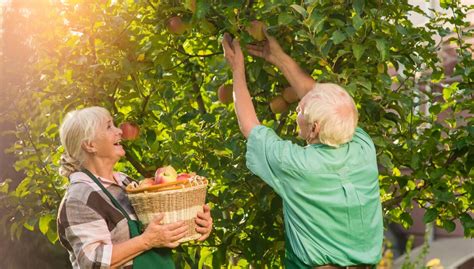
[(265, 156), (87, 234)]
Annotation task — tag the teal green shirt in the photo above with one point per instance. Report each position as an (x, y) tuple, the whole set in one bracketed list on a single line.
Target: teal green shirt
[(331, 198)]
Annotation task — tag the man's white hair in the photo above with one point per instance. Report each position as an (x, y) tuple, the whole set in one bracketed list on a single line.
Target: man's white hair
[(334, 110)]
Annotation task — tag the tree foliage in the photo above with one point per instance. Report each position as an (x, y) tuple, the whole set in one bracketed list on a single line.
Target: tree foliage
[(121, 55)]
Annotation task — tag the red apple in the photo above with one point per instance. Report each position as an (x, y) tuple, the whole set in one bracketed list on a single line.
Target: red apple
[(278, 105), (147, 182), (184, 176), (255, 29), (165, 174), (290, 95), (224, 93), (130, 131), (176, 25)]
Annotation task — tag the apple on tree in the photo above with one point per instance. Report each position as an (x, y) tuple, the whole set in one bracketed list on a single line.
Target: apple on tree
[(130, 131), (176, 25), (165, 174), (278, 105), (224, 93), (256, 30), (290, 95)]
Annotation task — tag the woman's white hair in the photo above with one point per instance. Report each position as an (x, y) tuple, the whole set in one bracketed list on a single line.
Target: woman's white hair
[(334, 110), (78, 126)]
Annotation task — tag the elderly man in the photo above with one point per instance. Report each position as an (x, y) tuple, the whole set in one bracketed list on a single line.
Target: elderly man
[(330, 191)]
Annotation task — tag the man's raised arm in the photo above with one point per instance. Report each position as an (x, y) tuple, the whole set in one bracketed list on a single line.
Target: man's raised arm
[(271, 51)]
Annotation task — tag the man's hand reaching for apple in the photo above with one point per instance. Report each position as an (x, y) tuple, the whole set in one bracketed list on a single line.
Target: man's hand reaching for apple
[(204, 222), (233, 53)]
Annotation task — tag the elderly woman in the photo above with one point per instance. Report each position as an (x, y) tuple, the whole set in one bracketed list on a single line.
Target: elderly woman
[(96, 222), (330, 191)]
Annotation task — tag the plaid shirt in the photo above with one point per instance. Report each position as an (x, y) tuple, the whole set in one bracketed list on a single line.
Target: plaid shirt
[(88, 222)]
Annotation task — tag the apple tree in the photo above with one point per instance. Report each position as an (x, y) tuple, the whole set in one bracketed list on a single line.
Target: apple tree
[(159, 64)]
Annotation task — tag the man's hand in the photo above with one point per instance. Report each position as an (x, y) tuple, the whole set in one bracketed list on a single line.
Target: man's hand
[(233, 53), (269, 50), (204, 221)]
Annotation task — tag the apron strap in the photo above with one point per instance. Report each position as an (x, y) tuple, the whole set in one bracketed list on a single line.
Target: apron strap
[(111, 197)]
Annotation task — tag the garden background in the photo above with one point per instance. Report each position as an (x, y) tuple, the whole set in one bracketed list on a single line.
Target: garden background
[(413, 86)]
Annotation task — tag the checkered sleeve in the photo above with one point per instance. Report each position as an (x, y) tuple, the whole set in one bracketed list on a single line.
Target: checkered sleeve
[(87, 234)]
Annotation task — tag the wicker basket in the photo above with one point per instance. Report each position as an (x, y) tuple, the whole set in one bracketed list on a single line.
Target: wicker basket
[(179, 200)]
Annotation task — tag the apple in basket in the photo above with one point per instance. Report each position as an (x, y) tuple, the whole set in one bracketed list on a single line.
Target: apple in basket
[(147, 182), (165, 174), (185, 176)]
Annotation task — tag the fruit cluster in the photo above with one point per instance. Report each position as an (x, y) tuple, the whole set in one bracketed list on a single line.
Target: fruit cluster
[(165, 174)]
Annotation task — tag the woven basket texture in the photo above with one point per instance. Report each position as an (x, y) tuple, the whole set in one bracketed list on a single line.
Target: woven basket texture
[(177, 205)]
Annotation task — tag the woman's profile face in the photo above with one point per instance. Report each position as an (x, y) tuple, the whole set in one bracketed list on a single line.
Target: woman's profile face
[(107, 141)]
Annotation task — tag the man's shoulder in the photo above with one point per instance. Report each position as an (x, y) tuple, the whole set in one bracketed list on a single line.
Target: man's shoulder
[(362, 137)]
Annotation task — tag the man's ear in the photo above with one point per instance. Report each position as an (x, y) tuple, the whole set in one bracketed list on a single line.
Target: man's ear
[(89, 147), (314, 131)]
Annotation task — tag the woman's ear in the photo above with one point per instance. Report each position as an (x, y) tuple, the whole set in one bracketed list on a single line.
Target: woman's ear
[(89, 147)]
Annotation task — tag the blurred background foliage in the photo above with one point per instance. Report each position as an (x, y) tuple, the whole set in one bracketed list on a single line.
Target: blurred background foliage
[(62, 55)]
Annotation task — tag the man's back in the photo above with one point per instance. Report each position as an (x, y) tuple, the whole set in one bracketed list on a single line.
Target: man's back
[(331, 196)]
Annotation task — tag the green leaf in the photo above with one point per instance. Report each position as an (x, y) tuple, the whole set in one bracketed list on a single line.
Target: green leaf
[(150, 137), (29, 226), (202, 8), (449, 225), (430, 215), (285, 19), (411, 184), (316, 22), (338, 36), (435, 109), (44, 223), (359, 6), (448, 91), (358, 50), (365, 84), (381, 45), (385, 161), (300, 10), (357, 22), (468, 224), (407, 220)]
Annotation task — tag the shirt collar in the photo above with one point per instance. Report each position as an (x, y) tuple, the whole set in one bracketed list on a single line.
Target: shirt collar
[(77, 177)]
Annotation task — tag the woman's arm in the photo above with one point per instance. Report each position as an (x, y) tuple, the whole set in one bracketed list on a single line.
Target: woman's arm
[(155, 235), (244, 108), (84, 232)]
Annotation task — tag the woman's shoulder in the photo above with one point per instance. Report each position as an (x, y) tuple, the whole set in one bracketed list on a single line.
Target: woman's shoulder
[(123, 178), (80, 187)]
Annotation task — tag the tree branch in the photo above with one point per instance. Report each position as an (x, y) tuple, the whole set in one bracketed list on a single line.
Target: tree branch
[(140, 168)]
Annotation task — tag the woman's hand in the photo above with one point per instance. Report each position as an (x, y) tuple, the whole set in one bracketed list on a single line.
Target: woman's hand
[(204, 221), (163, 235), (233, 53), (269, 50)]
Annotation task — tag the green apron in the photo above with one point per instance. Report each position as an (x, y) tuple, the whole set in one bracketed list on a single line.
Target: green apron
[(154, 258)]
